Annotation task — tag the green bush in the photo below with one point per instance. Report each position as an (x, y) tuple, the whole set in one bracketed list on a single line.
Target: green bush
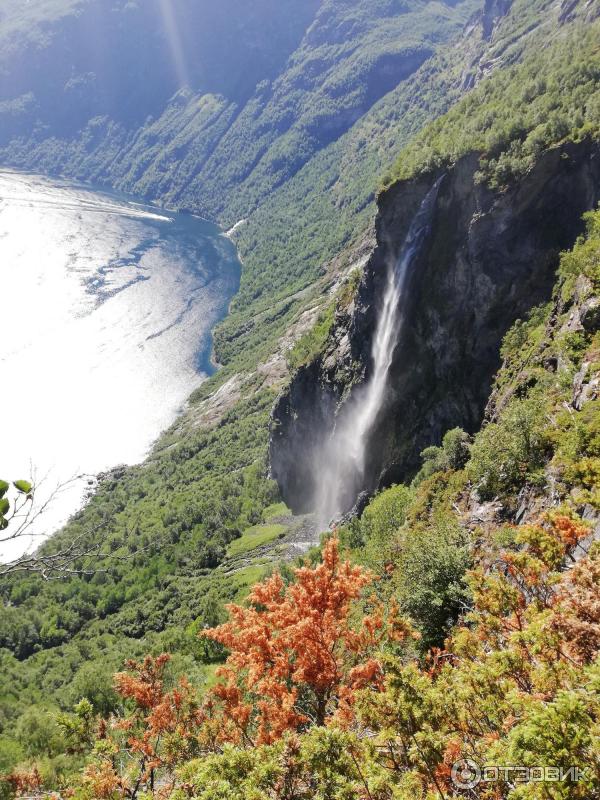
[(311, 344), (376, 531), (511, 450), (430, 570), (452, 455)]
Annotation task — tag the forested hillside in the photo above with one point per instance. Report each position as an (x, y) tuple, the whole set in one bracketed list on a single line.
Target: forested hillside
[(443, 564), (64, 63), (284, 81), (471, 546)]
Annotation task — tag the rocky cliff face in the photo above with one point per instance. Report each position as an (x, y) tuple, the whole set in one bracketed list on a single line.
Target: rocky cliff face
[(490, 257)]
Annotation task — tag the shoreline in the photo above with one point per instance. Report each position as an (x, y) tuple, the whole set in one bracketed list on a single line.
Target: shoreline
[(235, 227)]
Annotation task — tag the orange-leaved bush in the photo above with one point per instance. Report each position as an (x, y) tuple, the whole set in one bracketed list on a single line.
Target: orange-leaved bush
[(158, 732), (518, 681), (298, 653), (24, 781), (577, 611)]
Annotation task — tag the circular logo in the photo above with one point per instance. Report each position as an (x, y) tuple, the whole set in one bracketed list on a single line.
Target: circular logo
[(465, 774)]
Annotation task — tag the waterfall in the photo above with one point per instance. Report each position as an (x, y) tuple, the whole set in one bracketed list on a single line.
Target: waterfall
[(342, 461)]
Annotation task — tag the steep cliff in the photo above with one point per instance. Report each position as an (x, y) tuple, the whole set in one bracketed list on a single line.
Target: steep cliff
[(490, 257)]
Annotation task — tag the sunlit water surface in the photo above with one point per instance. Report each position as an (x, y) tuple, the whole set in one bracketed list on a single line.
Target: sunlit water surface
[(106, 308)]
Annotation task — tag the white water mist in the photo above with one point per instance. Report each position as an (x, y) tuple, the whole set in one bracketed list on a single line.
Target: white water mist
[(342, 461)]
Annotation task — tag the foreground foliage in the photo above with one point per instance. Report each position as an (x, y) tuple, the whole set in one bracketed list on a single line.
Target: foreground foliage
[(518, 684), (296, 655)]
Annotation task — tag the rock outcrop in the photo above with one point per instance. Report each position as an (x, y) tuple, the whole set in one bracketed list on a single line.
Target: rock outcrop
[(490, 257)]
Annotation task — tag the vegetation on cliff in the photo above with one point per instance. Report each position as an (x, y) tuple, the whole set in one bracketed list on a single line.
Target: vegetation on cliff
[(552, 97), (450, 634)]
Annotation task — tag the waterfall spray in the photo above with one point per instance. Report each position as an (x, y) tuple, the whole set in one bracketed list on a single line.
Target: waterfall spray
[(342, 461)]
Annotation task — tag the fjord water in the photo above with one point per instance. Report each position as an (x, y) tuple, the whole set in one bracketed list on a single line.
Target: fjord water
[(105, 319), (343, 456)]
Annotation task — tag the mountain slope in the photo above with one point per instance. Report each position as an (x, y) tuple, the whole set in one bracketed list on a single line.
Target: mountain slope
[(222, 154), (499, 673), (170, 523), (236, 131), (66, 62), (520, 158)]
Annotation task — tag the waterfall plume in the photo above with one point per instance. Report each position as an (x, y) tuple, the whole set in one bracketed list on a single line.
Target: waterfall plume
[(342, 458)]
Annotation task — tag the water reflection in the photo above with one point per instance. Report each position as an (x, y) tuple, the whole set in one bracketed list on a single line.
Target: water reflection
[(105, 319)]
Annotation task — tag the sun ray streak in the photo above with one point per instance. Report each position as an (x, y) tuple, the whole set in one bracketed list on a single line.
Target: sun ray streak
[(173, 35)]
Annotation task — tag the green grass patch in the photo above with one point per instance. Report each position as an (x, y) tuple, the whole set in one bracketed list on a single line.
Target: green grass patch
[(255, 537), (276, 510), (246, 578), (209, 673)]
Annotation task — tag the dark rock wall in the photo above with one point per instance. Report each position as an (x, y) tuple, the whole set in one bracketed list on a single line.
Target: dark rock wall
[(491, 256)]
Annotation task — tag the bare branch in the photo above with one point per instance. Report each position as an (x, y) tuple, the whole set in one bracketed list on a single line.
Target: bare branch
[(51, 563)]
